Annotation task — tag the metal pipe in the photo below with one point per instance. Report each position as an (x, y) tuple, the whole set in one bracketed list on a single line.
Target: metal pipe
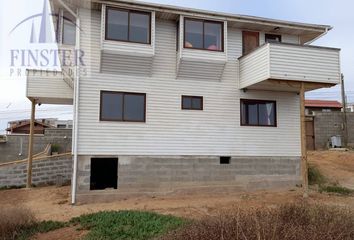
[(76, 111)]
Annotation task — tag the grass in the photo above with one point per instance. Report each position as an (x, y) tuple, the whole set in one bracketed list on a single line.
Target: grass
[(20, 224), (287, 222), (315, 176), (336, 189), (41, 227), (127, 225), (324, 185)]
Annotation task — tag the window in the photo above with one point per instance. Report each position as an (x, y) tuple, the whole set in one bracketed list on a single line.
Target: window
[(129, 26), (120, 106), (201, 34), (272, 38), (192, 103), (69, 32), (258, 113)]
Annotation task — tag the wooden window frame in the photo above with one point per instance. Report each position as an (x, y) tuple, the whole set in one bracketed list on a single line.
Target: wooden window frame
[(274, 35), (192, 97), (129, 12), (243, 40), (256, 101), (204, 21), (123, 93)]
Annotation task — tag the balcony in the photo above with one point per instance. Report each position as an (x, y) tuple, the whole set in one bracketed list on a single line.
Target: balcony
[(282, 66), (54, 87)]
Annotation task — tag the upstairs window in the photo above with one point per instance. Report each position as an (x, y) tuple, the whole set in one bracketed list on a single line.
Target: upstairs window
[(127, 25), (272, 38), (202, 34), (69, 32), (121, 106), (258, 113), (192, 103)]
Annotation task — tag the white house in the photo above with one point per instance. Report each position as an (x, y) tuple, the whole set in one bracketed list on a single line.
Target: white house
[(170, 97)]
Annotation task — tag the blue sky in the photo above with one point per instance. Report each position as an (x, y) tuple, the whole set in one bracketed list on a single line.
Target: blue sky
[(14, 105)]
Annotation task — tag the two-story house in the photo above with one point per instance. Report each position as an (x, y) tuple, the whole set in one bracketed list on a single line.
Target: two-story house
[(171, 97)]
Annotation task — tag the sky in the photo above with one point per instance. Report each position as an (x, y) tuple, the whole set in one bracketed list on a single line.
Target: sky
[(339, 14)]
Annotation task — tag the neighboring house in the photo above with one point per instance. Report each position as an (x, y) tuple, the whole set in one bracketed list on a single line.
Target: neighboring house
[(63, 124), (350, 107), (313, 106), (23, 126), (172, 97)]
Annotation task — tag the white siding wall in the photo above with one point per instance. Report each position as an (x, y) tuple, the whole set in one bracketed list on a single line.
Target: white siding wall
[(168, 129), (254, 67), (304, 63)]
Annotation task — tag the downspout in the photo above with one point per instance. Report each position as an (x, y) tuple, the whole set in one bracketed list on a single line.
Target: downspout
[(76, 110)]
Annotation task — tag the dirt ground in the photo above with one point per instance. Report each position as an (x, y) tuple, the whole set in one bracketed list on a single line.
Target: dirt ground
[(337, 166), (53, 203)]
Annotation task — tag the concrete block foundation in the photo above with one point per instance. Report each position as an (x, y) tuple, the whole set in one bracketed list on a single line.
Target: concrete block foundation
[(150, 174)]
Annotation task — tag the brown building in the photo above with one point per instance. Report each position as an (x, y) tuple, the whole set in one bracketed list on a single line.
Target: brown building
[(23, 126), (313, 106)]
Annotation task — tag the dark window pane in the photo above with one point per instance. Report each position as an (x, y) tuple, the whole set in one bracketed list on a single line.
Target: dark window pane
[(252, 113), (117, 25), (272, 38), (111, 106), (69, 33), (186, 102), (194, 34), (197, 103), (139, 28), (244, 114), (213, 36), (134, 107), (263, 114)]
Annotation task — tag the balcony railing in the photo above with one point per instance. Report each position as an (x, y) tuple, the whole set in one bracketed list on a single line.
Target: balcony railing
[(290, 62)]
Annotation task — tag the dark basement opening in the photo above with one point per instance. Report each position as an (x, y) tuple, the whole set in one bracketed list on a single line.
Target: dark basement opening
[(104, 173), (225, 160)]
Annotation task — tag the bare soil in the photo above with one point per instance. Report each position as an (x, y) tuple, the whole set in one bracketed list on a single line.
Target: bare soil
[(53, 203), (337, 166)]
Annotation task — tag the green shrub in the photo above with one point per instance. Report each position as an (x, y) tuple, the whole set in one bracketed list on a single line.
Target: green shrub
[(315, 176), (55, 148), (126, 225)]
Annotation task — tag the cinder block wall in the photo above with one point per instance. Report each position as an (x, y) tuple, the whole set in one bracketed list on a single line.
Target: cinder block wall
[(330, 124), (47, 171), (161, 174), (12, 150)]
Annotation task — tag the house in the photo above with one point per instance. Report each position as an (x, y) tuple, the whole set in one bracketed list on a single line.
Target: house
[(313, 106), (168, 97), (23, 126), (350, 107)]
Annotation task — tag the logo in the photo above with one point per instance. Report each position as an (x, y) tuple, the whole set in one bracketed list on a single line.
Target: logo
[(43, 52)]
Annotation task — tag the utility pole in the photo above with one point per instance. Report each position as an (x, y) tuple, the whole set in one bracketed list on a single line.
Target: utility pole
[(344, 113)]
